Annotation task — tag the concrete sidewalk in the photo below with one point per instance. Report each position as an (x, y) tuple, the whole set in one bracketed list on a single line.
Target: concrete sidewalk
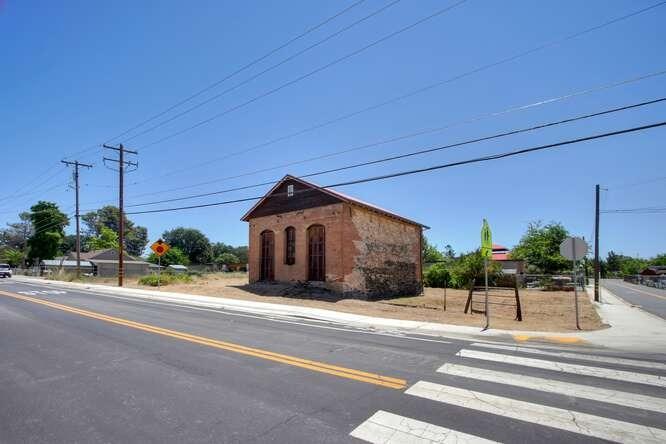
[(631, 328)]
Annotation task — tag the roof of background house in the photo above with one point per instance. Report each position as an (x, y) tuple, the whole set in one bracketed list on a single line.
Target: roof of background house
[(178, 267), (65, 263), (499, 247), (339, 195), (105, 255)]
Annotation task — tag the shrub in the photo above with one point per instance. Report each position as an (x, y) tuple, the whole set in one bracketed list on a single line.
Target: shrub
[(165, 279), (437, 276), (470, 267)]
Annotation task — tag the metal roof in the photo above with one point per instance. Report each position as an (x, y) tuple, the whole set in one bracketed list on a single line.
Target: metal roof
[(58, 263)]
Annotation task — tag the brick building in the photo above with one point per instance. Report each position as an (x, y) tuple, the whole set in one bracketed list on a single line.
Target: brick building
[(302, 232)]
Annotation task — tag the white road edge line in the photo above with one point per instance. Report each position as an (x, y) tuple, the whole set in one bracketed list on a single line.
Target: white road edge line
[(387, 428), (624, 399), (582, 357), (568, 420), (584, 370), (265, 317)]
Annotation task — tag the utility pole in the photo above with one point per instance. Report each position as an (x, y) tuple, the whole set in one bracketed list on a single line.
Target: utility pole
[(597, 265), (77, 165), (122, 163)]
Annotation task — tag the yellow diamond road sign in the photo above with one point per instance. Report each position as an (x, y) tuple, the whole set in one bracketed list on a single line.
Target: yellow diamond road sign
[(160, 247)]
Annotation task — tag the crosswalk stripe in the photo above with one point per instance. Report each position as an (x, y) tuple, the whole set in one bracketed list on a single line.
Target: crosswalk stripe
[(599, 372), (583, 357), (388, 428), (563, 388), (576, 422)]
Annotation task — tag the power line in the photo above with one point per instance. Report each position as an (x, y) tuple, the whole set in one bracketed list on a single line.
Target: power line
[(435, 167), (307, 75), (410, 135), (637, 210), (261, 73), (241, 69), (224, 79), (424, 151), (635, 184)]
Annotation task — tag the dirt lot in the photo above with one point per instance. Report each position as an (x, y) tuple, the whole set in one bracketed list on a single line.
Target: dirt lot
[(542, 311)]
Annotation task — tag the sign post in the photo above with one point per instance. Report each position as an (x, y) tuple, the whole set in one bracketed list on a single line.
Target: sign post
[(574, 248), (160, 248), (487, 253)]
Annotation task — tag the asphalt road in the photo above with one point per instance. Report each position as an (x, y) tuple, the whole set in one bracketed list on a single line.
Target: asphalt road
[(84, 367), (652, 300)]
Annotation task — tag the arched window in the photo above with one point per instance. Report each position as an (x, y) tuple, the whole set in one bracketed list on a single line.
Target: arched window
[(267, 270), (290, 245), (316, 253)]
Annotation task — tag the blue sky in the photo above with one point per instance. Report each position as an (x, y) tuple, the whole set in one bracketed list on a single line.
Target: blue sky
[(76, 74)]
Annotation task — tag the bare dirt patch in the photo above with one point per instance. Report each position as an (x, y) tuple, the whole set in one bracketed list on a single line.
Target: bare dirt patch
[(542, 310)]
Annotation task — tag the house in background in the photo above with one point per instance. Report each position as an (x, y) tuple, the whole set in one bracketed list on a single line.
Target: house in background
[(106, 263), (301, 232), (63, 264), (502, 255)]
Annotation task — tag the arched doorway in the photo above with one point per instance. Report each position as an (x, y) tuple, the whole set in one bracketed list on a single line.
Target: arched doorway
[(267, 270), (316, 253)]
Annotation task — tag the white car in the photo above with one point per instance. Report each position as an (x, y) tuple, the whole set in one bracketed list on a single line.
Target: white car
[(5, 271)]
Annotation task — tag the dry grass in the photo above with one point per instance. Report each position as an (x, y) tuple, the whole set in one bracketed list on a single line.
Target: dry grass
[(542, 311)]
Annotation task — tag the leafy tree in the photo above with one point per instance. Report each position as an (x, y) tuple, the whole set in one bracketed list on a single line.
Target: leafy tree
[(437, 276), (540, 247), (430, 252), (190, 241), (16, 234), (660, 259), (227, 259), (174, 256), (12, 257), (107, 239), (49, 224), (633, 265), (219, 248), (470, 267), (136, 237)]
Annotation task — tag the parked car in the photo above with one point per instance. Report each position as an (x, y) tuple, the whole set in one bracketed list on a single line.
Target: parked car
[(5, 271)]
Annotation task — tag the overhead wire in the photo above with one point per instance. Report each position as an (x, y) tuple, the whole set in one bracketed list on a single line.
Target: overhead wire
[(261, 73), (307, 75), (401, 137), (435, 167), (423, 151)]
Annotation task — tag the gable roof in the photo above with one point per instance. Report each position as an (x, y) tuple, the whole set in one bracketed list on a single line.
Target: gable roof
[(333, 193), (107, 254)]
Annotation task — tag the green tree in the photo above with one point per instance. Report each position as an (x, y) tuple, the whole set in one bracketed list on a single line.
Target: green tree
[(107, 239), (220, 248), (437, 276), (632, 265), (227, 259), (430, 252), (192, 242), (49, 224), (16, 234), (660, 259), (469, 267), (174, 256), (12, 257), (540, 247), (136, 237)]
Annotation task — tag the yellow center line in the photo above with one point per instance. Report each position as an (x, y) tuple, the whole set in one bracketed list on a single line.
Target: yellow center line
[(357, 375)]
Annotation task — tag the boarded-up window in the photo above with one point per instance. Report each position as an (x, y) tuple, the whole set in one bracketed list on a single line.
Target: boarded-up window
[(290, 246), (267, 271), (316, 253)]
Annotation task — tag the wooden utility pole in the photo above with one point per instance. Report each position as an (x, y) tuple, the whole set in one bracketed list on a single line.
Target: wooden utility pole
[(122, 163), (77, 165), (597, 265)]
